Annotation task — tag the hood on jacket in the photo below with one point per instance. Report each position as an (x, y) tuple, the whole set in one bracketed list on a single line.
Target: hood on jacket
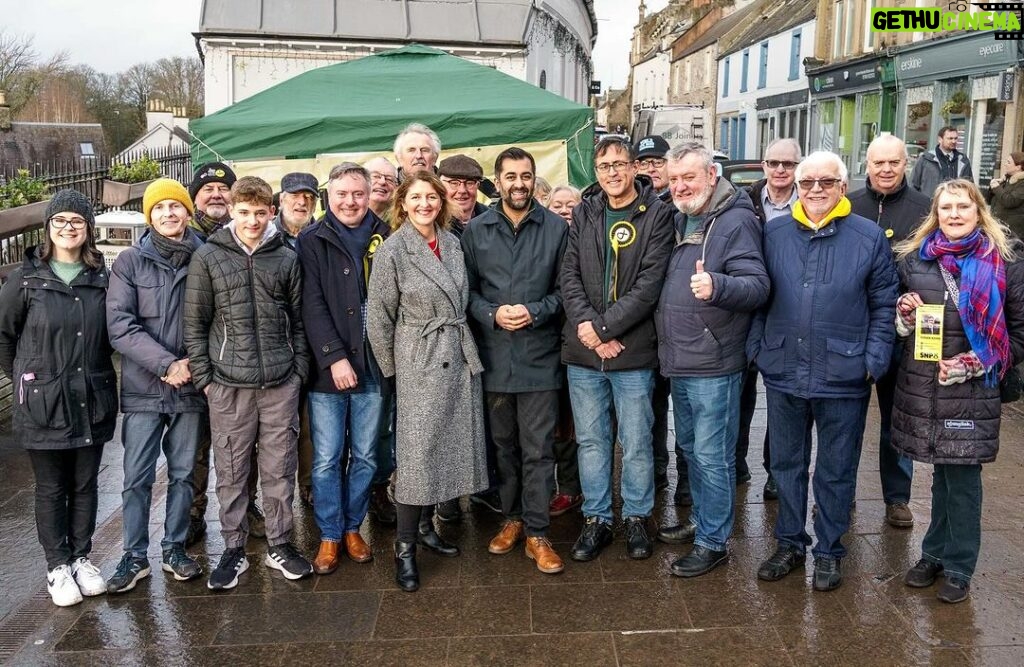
[(724, 197), (842, 209), (270, 232)]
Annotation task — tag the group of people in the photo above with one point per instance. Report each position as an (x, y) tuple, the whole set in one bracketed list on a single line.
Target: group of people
[(414, 335)]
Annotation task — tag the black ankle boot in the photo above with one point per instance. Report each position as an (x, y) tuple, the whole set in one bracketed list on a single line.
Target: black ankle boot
[(407, 576), (428, 537)]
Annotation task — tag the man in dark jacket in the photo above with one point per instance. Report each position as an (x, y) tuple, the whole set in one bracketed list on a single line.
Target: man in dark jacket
[(898, 209), (513, 254), (162, 409), (611, 278), (945, 163), (772, 197), (826, 334), (716, 279), (461, 176), (345, 399), (211, 191), (299, 194), (248, 354)]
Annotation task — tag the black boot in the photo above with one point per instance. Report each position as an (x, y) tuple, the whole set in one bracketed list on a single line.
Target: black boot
[(407, 576), (429, 538)]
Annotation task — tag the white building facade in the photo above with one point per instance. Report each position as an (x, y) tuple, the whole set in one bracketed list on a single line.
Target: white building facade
[(651, 80), (546, 42), (762, 91)]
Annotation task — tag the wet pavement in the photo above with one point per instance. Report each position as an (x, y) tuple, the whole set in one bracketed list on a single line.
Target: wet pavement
[(481, 609)]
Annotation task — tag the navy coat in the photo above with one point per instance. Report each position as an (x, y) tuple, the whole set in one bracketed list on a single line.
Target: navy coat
[(829, 322)]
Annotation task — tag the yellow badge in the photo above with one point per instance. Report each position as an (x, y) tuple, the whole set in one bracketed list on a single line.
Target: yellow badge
[(622, 234), (889, 233), (375, 242), (219, 173), (642, 208)]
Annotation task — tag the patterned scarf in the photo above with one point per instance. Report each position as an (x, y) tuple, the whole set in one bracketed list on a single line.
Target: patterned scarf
[(982, 289)]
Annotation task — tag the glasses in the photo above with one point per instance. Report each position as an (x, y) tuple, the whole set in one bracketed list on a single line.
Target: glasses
[(785, 164), (655, 162), (377, 176), (62, 223), (468, 183), (606, 167), (825, 183)]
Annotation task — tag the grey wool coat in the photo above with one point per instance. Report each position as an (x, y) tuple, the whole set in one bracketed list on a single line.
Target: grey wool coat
[(416, 324)]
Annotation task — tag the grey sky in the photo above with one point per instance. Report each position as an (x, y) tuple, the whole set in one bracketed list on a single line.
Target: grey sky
[(112, 35)]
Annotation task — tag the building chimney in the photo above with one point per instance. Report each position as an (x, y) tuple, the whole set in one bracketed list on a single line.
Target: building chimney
[(5, 113)]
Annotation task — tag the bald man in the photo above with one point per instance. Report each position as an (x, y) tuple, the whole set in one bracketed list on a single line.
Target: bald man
[(898, 209)]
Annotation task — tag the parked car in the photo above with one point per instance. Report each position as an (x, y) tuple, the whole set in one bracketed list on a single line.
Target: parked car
[(740, 172)]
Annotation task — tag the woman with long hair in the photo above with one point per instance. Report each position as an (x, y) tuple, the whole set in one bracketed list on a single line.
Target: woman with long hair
[(416, 324), (947, 404), (54, 348)]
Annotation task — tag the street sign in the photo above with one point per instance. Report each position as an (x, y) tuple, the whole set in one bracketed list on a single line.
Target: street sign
[(595, 87)]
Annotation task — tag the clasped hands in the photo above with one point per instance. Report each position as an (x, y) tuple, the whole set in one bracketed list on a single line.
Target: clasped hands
[(585, 332), (513, 318), (178, 374)]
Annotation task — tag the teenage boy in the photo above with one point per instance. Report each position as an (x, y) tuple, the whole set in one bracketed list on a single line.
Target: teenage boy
[(247, 347)]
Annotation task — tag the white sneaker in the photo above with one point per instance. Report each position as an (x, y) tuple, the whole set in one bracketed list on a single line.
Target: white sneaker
[(87, 576), (60, 584)]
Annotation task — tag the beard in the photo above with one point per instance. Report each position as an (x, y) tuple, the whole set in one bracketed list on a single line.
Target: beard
[(695, 205), (508, 199)]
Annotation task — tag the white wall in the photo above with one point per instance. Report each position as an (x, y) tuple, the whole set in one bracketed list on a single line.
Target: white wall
[(776, 82), (651, 80)]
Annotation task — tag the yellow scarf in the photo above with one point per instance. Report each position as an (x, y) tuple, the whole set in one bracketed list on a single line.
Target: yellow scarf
[(841, 210)]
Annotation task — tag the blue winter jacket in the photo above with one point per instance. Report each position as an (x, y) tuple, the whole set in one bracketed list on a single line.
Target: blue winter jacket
[(828, 328)]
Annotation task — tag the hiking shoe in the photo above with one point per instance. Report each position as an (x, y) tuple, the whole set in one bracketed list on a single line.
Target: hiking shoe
[(180, 564), (130, 571), (898, 515), (61, 586), (954, 589), (638, 542), (923, 574), (87, 576), (225, 576), (286, 558), (257, 522)]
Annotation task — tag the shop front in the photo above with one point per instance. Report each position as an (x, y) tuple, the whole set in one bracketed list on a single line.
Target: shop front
[(967, 82), (782, 116), (851, 104)]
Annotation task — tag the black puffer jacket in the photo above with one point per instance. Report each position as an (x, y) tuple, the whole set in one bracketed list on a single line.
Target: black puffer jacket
[(54, 348), (898, 214), (958, 424), (641, 273), (243, 321)]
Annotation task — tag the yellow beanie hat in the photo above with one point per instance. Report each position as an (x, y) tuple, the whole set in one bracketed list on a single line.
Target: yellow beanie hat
[(165, 188)]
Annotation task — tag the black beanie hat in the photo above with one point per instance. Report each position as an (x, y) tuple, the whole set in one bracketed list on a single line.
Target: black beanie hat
[(211, 172), (72, 201)]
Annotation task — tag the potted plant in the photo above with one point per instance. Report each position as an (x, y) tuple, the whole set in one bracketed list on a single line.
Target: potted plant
[(22, 203), (128, 182), (958, 104)]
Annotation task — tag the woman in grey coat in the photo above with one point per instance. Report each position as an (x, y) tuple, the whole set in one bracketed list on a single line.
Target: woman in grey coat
[(416, 324)]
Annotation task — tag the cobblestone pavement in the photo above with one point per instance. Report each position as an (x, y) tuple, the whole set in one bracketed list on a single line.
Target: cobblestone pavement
[(481, 609)]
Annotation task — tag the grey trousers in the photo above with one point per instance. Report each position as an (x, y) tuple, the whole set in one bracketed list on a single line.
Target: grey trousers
[(238, 419)]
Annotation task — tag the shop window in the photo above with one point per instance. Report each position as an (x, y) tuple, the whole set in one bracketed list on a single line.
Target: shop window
[(744, 70), (870, 118), (990, 150), (826, 125), (762, 74), (847, 125), (794, 55)]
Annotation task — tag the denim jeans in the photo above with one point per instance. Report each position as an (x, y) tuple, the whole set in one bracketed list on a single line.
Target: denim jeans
[(662, 391), (840, 426), (145, 434), (66, 500), (593, 393), (707, 417), (895, 469), (954, 535), (342, 496)]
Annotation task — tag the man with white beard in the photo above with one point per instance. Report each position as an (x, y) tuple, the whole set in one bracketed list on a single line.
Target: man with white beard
[(211, 191), (716, 279)]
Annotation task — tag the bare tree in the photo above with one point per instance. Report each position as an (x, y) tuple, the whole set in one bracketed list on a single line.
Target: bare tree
[(22, 71), (179, 82)]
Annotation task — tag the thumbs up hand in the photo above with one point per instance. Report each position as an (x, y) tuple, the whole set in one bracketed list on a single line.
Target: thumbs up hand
[(700, 282)]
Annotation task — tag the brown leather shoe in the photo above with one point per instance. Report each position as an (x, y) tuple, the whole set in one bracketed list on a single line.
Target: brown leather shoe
[(539, 550), (511, 532), (326, 560), (357, 548)]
